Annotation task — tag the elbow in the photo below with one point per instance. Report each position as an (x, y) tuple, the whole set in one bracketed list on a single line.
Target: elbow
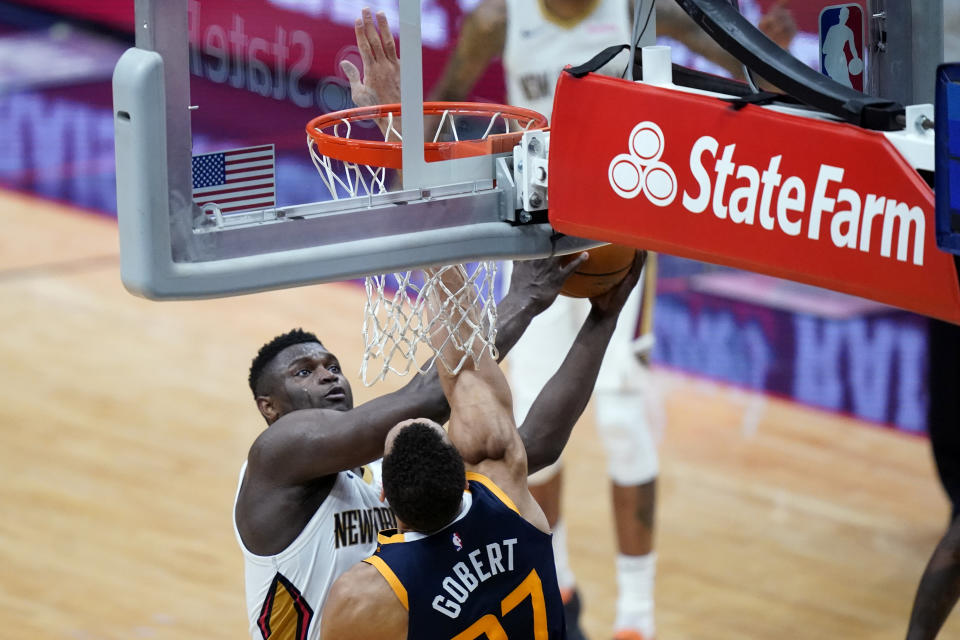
[(542, 455)]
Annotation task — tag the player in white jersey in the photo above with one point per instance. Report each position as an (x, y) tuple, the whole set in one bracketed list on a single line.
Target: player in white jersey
[(536, 40), (308, 506), (308, 503)]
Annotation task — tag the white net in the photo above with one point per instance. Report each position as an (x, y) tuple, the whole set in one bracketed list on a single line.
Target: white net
[(404, 329), (349, 179)]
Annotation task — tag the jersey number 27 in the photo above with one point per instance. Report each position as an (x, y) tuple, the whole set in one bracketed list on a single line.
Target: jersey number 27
[(490, 624)]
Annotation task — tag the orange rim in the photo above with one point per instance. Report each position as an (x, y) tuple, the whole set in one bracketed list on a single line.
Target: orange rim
[(381, 153)]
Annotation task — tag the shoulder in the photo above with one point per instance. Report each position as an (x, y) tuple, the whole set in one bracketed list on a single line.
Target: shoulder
[(362, 606), (478, 479), (514, 495)]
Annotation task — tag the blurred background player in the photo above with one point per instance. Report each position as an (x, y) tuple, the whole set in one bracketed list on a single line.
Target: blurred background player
[(536, 40), (939, 587), (471, 542)]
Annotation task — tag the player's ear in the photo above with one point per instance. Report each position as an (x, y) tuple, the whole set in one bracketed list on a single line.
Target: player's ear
[(267, 409), (383, 494)]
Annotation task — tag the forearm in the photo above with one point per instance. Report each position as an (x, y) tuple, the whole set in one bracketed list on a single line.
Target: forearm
[(482, 38), (673, 22), (939, 588), (422, 397), (549, 422), (458, 77), (313, 443), (481, 421), (424, 394), (514, 314)]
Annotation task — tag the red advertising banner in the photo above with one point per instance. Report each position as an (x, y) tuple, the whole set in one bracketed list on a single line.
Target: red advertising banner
[(818, 202)]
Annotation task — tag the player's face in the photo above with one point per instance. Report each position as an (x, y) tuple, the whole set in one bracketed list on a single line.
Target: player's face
[(309, 377)]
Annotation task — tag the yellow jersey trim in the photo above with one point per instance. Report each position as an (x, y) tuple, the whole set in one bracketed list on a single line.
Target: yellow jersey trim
[(497, 491), (389, 536), (566, 23), (367, 474), (391, 578)]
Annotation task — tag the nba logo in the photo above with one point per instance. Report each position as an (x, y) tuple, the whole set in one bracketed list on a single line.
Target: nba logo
[(841, 44), (457, 542)]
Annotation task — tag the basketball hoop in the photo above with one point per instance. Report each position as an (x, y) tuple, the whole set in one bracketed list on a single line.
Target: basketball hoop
[(357, 166), (398, 316)]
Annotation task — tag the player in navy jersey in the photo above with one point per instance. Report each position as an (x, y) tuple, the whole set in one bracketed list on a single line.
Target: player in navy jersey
[(488, 570), (472, 555)]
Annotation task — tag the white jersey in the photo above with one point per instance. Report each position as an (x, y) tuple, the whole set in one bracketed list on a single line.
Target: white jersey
[(539, 46), (537, 49), (286, 591)]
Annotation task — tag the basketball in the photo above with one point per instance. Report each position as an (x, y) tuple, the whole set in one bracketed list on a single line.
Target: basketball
[(856, 67), (603, 270)]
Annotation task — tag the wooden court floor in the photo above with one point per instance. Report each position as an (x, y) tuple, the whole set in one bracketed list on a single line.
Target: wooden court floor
[(123, 423)]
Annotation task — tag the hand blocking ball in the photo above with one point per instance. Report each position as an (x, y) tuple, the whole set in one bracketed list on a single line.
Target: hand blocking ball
[(603, 270)]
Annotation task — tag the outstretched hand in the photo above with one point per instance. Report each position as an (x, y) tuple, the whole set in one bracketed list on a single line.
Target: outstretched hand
[(541, 280), (611, 302), (380, 82), (778, 24)]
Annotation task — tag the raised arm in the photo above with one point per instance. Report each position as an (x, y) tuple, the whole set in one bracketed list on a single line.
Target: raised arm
[(312, 443), (534, 286), (778, 24), (673, 22), (482, 38), (481, 424), (307, 444), (551, 418)]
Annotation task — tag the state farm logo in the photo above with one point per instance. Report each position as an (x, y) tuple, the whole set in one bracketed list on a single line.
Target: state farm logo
[(640, 170), (796, 196)]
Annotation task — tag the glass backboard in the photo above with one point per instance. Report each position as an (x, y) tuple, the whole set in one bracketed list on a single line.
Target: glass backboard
[(216, 191)]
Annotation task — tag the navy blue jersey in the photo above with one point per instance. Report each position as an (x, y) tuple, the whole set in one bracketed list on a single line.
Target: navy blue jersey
[(490, 572)]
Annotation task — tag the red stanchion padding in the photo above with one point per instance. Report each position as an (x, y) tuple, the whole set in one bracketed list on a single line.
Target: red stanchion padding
[(818, 202)]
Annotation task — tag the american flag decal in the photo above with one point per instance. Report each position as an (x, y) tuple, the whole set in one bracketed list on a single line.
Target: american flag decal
[(236, 180)]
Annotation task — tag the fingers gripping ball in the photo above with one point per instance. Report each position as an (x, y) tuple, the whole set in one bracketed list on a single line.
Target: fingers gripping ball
[(603, 270)]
